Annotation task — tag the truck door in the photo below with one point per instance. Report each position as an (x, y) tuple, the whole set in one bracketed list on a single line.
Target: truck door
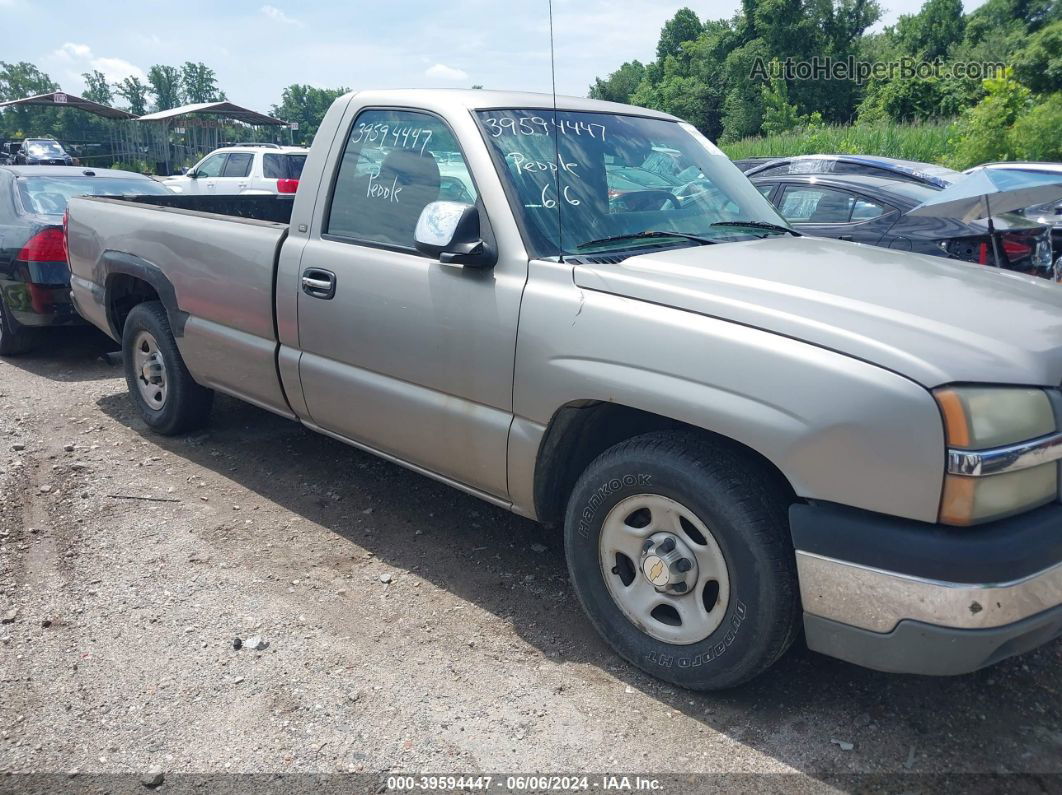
[(401, 353)]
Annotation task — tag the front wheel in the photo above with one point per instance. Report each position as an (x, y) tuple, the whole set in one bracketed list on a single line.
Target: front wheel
[(679, 551), (163, 391)]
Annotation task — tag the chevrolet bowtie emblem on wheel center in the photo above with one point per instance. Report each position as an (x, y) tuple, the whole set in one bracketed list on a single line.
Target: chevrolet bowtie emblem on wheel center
[(668, 564), (655, 571)]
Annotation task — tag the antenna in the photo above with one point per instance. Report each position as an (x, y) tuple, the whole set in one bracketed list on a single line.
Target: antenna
[(556, 137)]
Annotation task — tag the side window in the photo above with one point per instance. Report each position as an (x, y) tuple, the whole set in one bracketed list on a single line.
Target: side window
[(295, 165), (282, 166), (814, 205), (765, 191), (238, 165), (212, 166), (273, 167), (394, 164), (865, 210)]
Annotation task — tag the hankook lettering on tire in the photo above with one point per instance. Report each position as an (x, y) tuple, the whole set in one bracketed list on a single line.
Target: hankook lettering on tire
[(599, 496)]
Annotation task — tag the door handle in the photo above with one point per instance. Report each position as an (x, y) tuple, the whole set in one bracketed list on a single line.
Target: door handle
[(844, 237), (319, 283)]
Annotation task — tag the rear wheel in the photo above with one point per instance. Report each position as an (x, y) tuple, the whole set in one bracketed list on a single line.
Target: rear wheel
[(679, 552), (14, 337), (163, 391)]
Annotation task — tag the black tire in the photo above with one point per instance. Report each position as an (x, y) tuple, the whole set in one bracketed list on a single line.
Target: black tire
[(187, 404), (14, 337), (744, 505)]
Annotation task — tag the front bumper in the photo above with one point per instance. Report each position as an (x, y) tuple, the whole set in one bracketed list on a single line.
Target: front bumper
[(903, 596)]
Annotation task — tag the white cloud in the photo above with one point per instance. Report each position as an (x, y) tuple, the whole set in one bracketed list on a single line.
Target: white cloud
[(117, 68), (71, 51), (77, 58), (441, 71), (277, 15)]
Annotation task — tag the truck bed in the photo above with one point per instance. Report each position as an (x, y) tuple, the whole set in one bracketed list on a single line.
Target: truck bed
[(212, 260), (275, 209)]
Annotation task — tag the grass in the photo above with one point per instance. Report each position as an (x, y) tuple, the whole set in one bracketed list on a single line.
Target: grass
[(926, 142)]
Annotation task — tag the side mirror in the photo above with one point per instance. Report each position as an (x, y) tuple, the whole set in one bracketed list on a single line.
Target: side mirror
[(191, 173), (450, 231)]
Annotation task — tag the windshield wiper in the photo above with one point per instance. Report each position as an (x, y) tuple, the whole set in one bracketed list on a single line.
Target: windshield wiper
[(759, 225), (704, 241)]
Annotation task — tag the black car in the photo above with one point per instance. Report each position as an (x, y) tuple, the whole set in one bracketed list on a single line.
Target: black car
[(42, 152), (872, 210), (34, 277), (868, 165)]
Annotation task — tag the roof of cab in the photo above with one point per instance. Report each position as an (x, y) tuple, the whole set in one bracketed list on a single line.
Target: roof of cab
[(69, 171), (483, 99)]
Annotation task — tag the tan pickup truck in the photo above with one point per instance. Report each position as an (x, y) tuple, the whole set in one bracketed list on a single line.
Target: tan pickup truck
[(586, 314)]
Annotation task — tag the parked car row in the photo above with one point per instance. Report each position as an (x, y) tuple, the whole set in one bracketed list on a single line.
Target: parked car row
[(1031, 240), (873, 210), (613, 330)]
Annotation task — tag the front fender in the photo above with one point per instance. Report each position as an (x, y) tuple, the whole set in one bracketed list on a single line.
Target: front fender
[(840, 429)]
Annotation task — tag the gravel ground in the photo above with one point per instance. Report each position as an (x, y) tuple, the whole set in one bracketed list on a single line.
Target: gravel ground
[(404, 626)]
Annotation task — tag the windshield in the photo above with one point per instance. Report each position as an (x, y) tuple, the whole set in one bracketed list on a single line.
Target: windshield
[(589, 176), (49, 195), (43, 148)]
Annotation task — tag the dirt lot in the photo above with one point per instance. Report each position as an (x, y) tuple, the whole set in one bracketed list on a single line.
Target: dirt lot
[(409, 627)]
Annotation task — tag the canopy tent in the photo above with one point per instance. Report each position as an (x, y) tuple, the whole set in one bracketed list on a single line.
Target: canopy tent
[(63, 100), (123, 140), (179, 136), (226, 110)]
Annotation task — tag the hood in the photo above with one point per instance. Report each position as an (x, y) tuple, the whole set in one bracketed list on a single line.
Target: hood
[(933, 320)]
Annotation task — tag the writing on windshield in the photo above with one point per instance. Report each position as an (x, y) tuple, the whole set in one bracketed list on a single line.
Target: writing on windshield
[(579, 177)]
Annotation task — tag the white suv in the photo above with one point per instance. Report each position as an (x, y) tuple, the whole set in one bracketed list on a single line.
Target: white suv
[(244, 169)]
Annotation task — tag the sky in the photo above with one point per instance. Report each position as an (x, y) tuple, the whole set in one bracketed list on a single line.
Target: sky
[(258, 48)]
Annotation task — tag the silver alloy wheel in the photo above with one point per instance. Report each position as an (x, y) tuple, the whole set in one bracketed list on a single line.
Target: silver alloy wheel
[(150, 370), (664, 569)]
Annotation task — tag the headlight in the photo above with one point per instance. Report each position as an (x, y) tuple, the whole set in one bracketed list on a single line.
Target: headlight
[(1003, 452)]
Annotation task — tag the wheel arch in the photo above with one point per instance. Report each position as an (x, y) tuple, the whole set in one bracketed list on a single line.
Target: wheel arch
[(129, 280), (581, 430)]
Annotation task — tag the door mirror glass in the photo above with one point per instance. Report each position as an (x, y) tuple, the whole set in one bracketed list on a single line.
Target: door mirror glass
[(450, 231)]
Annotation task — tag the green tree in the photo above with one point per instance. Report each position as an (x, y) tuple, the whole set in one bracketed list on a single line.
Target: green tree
[(983, 132), (779, 114), (1035, 136), (134, 91), (165, 82), (684, 26), (200, 83), (620, 85), (23, 79), (306, 105), (1039, 65), (931, 32), (1007, 15), (18, 81), (97, 89), (743, 105)]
